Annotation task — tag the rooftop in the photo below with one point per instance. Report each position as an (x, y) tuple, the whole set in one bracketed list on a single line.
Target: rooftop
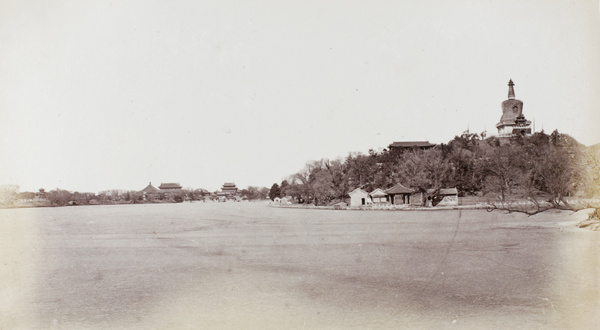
[(410, 144), (399, 189), (150, 189), (378, 193), (169, 186), (357, 190)]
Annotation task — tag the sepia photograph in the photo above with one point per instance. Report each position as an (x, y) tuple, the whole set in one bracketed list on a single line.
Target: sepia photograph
[(326, 164)]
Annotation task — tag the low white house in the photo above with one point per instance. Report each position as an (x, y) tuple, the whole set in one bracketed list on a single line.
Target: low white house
[(379, 196), (359, 197)]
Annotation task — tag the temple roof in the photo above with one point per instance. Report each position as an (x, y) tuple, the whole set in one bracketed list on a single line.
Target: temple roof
[(399, 189), (378, 193), (169, 186), (150, 189), (410, 144)]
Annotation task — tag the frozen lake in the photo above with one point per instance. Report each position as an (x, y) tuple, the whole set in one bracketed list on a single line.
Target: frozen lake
[(246, 265)]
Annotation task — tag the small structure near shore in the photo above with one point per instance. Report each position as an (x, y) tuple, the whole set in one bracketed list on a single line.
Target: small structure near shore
[(359, 197), (379, 197), (444, 197), (400, 195)]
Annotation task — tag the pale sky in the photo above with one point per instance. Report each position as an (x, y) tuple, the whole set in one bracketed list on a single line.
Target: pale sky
[(98, 95)]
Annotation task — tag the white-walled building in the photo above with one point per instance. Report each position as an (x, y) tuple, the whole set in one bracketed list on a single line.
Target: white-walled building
[(379, 196), (359, 197)]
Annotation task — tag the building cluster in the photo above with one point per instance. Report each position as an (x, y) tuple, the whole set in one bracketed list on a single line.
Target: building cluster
[(229, 192), (174, 192), (511, 123), (167, 191), (402, 196)]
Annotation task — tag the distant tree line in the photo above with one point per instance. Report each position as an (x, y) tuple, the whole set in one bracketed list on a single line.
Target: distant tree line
[(254, 193), (541, 168), (10, 195)]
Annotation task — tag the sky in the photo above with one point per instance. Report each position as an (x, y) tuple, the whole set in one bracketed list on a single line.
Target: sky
[(100, 95)]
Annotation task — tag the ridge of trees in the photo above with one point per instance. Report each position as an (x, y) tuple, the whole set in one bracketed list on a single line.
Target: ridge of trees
[(527, 174)]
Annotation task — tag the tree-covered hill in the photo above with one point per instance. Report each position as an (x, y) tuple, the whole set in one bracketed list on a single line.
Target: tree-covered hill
[(539, 167)]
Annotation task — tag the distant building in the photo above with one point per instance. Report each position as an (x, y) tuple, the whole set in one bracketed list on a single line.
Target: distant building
[(169, 186), (410, 145), (513, 121), (228, 192), (229, 188), (171, 191), (435, 197), (402, 196), (150, 192), (379, 196), (399, 194), (359, 197), (444, 197)]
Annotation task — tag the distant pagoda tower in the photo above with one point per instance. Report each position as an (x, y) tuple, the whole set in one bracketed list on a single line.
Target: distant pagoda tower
[(229, 188), (513, 121)]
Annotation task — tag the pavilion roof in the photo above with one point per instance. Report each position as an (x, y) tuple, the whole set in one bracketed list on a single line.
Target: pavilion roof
[(410, 144), (378, 193), (399, 189), (169, 186), (150, 189)]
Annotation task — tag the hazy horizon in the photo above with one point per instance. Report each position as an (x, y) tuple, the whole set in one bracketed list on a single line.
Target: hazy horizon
[(100, 95)]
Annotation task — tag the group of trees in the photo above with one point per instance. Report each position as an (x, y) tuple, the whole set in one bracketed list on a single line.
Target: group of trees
[(9, 195), (254, 193), (541, 168)]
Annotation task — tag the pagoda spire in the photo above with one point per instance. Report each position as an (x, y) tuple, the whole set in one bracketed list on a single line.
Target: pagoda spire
[(511, 90)]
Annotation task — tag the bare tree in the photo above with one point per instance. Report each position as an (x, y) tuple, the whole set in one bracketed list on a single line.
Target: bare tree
[(538, 177), (426, 171), (8, 194)]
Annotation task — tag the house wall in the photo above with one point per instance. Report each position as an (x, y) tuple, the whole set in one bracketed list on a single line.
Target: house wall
[(416, 199), (356, 199), (380, 200)]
